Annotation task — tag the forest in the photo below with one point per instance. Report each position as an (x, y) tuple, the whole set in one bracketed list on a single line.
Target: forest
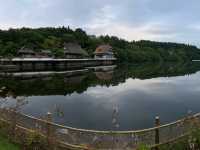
[(52, 38)]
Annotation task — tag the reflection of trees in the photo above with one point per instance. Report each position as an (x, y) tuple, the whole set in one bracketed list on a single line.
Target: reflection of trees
[(62, 85), (6, 95), (147, 71)]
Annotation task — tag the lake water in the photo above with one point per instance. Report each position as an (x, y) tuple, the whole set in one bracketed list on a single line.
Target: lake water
[(125, 97)]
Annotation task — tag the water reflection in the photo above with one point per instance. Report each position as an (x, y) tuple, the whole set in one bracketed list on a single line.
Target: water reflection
[(113, 98), (104, 73)]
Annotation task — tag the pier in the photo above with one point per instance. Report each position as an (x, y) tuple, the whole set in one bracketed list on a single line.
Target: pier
[(19, 64)]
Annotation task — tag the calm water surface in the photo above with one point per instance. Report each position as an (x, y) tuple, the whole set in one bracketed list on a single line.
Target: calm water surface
[(112, 98)]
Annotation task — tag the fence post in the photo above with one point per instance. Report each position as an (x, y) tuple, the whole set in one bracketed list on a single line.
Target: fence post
[(13, 121), (49, 119), (157, 138)]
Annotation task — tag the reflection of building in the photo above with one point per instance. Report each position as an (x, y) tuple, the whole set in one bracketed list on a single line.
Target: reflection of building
[(74, 51), (104, 51), (104, 73), (26, 52), (53, 83), (74, 79)]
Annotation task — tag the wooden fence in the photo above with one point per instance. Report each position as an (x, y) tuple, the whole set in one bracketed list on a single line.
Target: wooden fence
[(91, 139)]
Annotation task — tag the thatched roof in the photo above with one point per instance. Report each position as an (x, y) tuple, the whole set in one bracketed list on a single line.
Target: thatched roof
[(74, 48), (103, 49), (26, 51), (46, 52)]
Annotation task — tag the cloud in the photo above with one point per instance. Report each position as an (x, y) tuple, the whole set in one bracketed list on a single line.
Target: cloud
[(172, 20)]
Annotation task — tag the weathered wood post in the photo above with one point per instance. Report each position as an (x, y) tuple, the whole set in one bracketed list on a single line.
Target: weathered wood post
[(157, 138), (49, 130)]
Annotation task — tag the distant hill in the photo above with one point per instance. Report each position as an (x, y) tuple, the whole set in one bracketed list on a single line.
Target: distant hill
[(53, 38)]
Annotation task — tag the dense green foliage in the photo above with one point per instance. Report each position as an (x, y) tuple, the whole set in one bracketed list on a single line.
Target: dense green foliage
[(53, 38)]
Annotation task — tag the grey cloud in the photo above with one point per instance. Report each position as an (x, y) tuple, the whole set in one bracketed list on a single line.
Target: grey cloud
[(173, 20)]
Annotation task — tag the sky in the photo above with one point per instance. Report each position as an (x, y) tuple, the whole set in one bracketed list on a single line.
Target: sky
[(159, 20)]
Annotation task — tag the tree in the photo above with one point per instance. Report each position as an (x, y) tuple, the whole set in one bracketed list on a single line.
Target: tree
[(51, 42), (53, 38), (81, 37), (68, 38)]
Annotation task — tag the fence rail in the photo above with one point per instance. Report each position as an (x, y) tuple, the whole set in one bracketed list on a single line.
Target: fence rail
[(92, 139)]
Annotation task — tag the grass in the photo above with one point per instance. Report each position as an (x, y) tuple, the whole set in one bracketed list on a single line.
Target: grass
[(6, 145)]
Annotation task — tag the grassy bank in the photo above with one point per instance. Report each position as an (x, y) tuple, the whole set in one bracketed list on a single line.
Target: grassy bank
[(189, 142), (5, 144)]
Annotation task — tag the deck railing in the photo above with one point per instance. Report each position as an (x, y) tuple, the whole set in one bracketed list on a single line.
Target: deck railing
[(92, 139)]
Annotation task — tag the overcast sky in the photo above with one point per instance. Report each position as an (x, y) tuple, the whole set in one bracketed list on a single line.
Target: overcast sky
[(161, 20)]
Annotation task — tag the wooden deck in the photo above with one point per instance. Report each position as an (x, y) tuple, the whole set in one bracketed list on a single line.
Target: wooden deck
[(24, 64)]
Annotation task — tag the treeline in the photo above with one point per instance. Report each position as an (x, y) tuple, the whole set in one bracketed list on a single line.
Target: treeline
[(53, 38)]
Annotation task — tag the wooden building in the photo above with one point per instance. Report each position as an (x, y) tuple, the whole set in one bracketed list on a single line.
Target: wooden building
[(104, 51), (26, 52), (45, 54), (74, 51)]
